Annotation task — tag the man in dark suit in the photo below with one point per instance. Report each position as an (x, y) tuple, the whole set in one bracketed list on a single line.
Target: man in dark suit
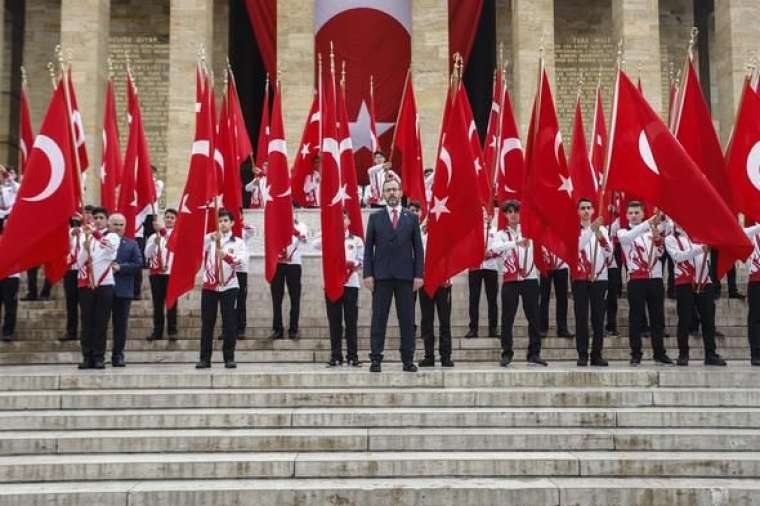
[(128, 262), (393, 261)]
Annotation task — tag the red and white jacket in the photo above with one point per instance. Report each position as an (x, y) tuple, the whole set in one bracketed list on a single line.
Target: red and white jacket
[(377, 175), (292, 254), (159, 257), (492, 258), (641, 252), (221, 276), (519, 262), (612, 262), (753, 233), (593, 255), (94, 263), (552, 261), (689, 260), (76, 238)]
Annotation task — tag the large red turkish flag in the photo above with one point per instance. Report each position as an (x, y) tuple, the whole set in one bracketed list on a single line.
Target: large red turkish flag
[(409, 149), (110, 165), (484, 179), (237, 123), (581, 171), (307, 151), (491, 145), (510, 162), (278, 204), (36, 231), (743, 155), (232, 199), (598, 148), (76, 118), (374, 38), (455, 222), (348, 168), (650, 162), (25, 134)]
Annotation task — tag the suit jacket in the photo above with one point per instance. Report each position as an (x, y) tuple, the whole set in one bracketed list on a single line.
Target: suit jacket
[(393, 254), (130, 261)]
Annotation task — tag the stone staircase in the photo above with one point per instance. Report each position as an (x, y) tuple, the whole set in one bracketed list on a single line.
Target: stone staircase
[(295, 434)]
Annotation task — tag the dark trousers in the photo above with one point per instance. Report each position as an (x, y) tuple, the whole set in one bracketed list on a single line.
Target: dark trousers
[(401, 291), (588, 298), (614, 283), (211, 302), (559, 278), (72, 302), (158, 286), (689, 302), (490, 279), (119, 319), (241, 301), (731, 275), (441, 302), (139, 272), (95, 305), (649, 293), (344, 309), (511, 293), (9, 304), (31, 284), (753, 317), (289, 274)]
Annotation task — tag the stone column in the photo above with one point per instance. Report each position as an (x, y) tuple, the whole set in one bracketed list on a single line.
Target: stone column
[(85, 26), (430, 68), (737, 32), (532, 23), (190, 24), (295, 58), (637, 23)]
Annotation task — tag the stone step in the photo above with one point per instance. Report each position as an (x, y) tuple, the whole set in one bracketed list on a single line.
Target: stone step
[(380, 439), (383, 492), (458, 464), (219, 418)]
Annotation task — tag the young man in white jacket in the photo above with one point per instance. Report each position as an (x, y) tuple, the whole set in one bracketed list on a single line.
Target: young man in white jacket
[(160, 259)]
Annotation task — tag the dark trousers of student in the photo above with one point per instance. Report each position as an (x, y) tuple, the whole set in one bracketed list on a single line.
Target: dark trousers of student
[(241, 302), (649, 294), (290, 275), (345, 309), (689, 301), (9, 304), (490, 279), (440, 302), (211, 303), (730, 275), (31, 284), (141, 245), (119, 319), (386, 290), (614, 282), (71, 292), (511, 293), (753, 317), (559, 279), (95, 305), (158, 286), (588, 298)]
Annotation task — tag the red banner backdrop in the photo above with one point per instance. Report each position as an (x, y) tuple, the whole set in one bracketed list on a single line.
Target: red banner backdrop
[(464, 16), (263, 16)]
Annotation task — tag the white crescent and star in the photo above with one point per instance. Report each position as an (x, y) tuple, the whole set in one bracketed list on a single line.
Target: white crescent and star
[(566, 186), (79, 130), (445, 157), (507, 146), (645, 151), (57, 166), (753, 165), (439, 207), (361, 132), (278, 146), (557, 145)]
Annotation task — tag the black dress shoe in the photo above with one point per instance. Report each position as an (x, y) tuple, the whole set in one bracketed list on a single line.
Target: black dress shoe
[(718, 333), (9, 337), (446, 362), (736, 295), (493, 332), (427, 362), (663, 360), (471, 333), (410, 368), (599, 362), (505, 361), (85, 364), (635, 360), (612, 332), (715, 360), (294, 334), (118, 362), (755, 361), (28, 298), (98, 364), (220, 338), (241, 335), (565, 333), (153, 337), (582, 361), (203, 364), (172, 332), (276, 334), (230, 364), (354, 362), (543, 333), (682, 360), (375, 367), (537, 360), (334, 362)]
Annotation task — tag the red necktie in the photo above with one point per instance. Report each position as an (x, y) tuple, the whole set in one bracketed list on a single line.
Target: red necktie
[(394, 219)]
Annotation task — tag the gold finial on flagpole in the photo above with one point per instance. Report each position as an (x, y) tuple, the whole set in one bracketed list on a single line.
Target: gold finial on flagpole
[(51, 70), (599, 77), (332, 58), (619, 56), (501, 54), (23, 77), (109, 63), (541, 47), (692, 39)]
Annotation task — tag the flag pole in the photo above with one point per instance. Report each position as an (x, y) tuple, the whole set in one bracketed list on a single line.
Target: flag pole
[(400, 105), (613, 122), (29, 148), (65, 82)]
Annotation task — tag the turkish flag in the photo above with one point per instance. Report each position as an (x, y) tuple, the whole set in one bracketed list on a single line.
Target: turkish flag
[(484, 179), (237, 123), (348, 168), (186, 242), (36, 231), (26, 134), (510, 162), (332, 194), (137, 195), (647, 159), (455, 224), (549, 214), (598, 149), (581, 172), (374, 144), (409, 149), (110, 165), (743, 155), (373, 38), (695, 131), (278, 203), (76, 118), (307, 151), (263, 141), (491, 147), (232, 199)]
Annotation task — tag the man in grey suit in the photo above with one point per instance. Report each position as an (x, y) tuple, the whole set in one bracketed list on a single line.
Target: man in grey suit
[(393, 263)]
